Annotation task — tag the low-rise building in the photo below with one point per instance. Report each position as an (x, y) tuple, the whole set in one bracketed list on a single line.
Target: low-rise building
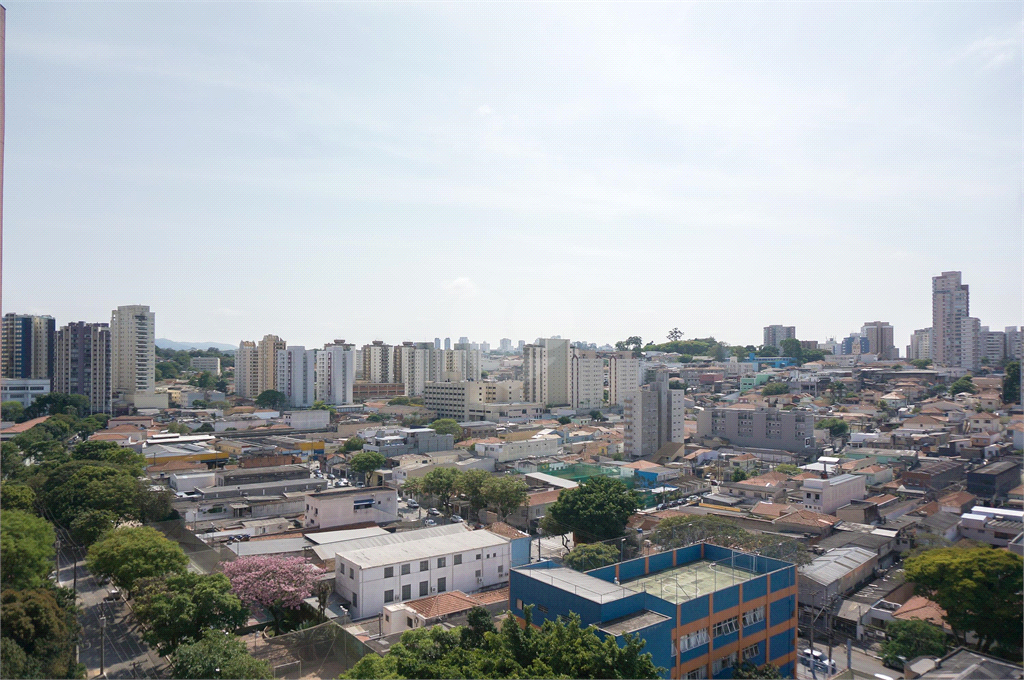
[(995, 526), (417, 440), (828, 495), (504, 450), (342, 506), (994, 480), (836, 573), (933, 475)]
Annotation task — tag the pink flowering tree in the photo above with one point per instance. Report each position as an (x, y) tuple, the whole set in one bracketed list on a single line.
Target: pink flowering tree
[(274, 583)]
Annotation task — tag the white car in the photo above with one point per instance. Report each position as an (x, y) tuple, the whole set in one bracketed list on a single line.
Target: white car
[(820, 662)]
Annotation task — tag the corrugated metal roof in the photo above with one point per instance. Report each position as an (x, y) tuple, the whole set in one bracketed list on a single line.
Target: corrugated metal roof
[(588, 587), (327, 551), (835, 564), (424, 548)]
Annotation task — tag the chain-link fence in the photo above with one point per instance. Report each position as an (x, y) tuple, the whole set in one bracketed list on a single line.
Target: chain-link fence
[(323, 651)]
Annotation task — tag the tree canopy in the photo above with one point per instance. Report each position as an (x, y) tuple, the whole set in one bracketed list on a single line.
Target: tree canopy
[(354, 444), (910, 639), (447, 426), (1011, 383), (217, 655), (127, 554), (441, 483), (12, 411), (774, 388), (26, 549), (979, 588), (557, 649), (274, 583), (366, 462), (588, 556), (564, 420), (271, 399), (964, 384), (177, 608), (837, 427), (40, 632), (747, 670), (505, 494), (595, 511), (17, 496)]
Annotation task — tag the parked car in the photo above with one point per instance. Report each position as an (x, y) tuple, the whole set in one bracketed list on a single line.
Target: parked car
[(434, 512), (820, 662), (456, 518), (330, 475), (429, 523), (412, 504)]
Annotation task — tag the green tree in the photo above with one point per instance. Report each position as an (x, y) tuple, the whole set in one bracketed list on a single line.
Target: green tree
[(110, 452), (83, 484), (773, 388), (505, 494), (768, 351), (12, 464), (675, 335), (128, 554), (597, 416), (675, 532), (354, 443), (791, 348), (921, 363), (89, 524), (17, 496), (473, 485), (366, 462), (588, 556), (203, 381), (478, 625), (596, 510), (40, 632), (58, 403), (442, 484), (964, 384), (447, 426), (217, 655), (399, 401), (1011, 383), (178, 428), (179, 607), (787, 469), (271, 399), (26, 549), (749, 670), (906, 640), (980, 589), (221, 385), (739, 475), (12, 411), (837, 427), (565, 420), (633, 342)]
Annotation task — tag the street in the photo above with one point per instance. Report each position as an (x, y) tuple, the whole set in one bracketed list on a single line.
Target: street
[(862, 661), (125, 654)]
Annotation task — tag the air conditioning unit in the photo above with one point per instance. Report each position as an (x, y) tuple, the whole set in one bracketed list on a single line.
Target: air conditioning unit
[(479, 580)]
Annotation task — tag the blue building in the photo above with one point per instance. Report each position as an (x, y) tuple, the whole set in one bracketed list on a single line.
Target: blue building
[(770, 362), (702, 609), (848, 343)]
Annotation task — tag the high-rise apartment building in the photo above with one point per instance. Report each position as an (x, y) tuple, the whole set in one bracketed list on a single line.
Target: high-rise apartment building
[(970, 343), (378, 361), (28, 345), (521, 344), (586, 380), (82, 363), (296, 375), (1014, 343), (654, 415), (437, 343), (463, 341), (992, 346), (623, 377), (247, 370), (447, 343), (559, 352), (463, 360), (774, 335), (412, 366), (505, 345), (880, 339), (335, 373), (535, 375), (920, 346), (132, 350), (266, 358), (950, 308)]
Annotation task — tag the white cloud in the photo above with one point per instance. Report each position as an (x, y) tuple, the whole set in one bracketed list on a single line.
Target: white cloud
[(462, 287), (995, 50)]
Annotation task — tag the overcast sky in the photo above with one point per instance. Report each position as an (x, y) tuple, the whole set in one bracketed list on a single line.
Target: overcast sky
[(403, 171)]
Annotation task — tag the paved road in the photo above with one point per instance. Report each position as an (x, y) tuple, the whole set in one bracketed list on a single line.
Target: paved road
[(125, 655), (863, 661)]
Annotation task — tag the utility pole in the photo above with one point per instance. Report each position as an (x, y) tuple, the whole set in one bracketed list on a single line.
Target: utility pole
[(56, 545), (103, 641)]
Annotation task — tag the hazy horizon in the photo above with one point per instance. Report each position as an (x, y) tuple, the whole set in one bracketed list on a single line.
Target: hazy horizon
[(404, 171)]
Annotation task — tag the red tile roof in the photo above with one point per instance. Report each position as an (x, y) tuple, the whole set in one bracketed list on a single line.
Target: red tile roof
[(543, 497), (442, 605), (25, 426), (491, 596)]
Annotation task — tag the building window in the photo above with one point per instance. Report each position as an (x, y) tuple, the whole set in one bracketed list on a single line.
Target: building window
[(457, 560), (724, 628), (693, 640), (424, 565), (350, 573), (442, 585), (501, 569), (389, 572), (753, 616), (478, 573), (408, 622), (440, 562), (751, 651), (407, 591), (700, 673), (355, 600), (478, 555), (389, 596), (406, 568), (725, 662), (519, 604), (424, 586)]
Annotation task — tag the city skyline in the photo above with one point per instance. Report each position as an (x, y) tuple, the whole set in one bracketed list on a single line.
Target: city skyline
[(631, 171)]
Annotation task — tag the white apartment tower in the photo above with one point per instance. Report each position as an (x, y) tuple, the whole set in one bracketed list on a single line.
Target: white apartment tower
[(266, 357), (920, 346), (950, 310), (247, 370), (335, 373), (1014, 344), (377, 362), (586, 380), (412, 362), (132, 350), (535, 375), (463, 360), (654, 415), (559, 371), (296, 375), (623, 377)]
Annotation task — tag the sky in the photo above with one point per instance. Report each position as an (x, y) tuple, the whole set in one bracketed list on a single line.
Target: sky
[(594, 170)]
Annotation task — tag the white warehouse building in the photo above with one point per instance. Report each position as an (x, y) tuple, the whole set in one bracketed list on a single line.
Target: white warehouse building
[(415, 564)]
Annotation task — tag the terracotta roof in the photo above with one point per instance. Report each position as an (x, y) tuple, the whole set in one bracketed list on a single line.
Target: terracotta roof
[(881, 498), (959, 498), (1016, 491), (505, 530), (928, 509), (491, 596), (767, 479), (104, 436), (442, 605), (25, 426), (918, 607), (810, 518), (641, 465), (543, 497), (771, 509), (807, 475)]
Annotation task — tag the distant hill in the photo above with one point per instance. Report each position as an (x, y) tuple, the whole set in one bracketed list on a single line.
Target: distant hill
[(171, 344)]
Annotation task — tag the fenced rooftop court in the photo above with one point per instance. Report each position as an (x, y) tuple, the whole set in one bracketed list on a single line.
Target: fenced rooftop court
[(686, 582)]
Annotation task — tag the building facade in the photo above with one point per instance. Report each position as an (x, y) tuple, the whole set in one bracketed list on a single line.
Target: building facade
[(266, 358), (535, 374), (247, 370), (702, 609), (654, 415), (586, 380), (132, 350), (28, 344), (623, 377), (760, 427), (341, 506), (209, 364), (378, 361), (920, 346), (828, 495), (774, 335), (336, 373), (296, 376), (82, 363), (956, 337), (880, 339)]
